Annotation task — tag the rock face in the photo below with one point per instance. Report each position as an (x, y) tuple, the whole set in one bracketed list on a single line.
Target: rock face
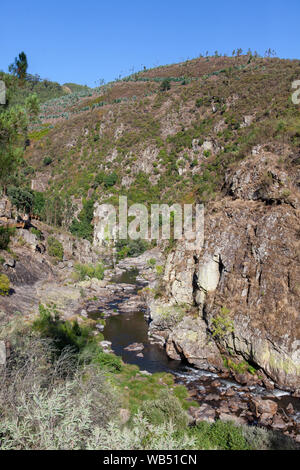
[(5, 208), (243, 287)]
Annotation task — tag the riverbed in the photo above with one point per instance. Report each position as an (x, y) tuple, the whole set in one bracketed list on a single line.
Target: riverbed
[(123, 329)]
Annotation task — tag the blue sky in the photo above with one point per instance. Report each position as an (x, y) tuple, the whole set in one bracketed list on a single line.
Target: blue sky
[(84, 41)]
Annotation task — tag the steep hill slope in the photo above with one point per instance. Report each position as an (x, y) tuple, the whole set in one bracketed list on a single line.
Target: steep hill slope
[(172, 143), (222, 131)]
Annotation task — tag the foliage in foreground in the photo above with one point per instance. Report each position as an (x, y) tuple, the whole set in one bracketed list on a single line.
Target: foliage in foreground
[(50, 399)]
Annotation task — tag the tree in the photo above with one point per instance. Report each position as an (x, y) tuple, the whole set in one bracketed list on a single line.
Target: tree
[(165, 85), (13, 125), (19, 66), (13, 131)]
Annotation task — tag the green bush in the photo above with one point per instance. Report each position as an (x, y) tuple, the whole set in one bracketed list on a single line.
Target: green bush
[(4, 238), (62, 332), (222, 325), (39, 202), (55, 248), (131, 248), (4, 284), (166, 408), (21, 198), (219, 435), (107, 180), (36, 232), (109, 362), (48, 400), (83, 227), (141, 436), (47, 161), (151, 262), (165, 85)]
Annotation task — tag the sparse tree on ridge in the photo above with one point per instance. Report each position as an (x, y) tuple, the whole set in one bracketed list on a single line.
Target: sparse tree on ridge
[(19, 66)]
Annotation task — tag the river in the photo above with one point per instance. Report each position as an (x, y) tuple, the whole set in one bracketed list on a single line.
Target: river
[(131, 327)]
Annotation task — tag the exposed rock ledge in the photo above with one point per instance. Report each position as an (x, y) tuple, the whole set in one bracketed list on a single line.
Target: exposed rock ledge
[(249, 265)]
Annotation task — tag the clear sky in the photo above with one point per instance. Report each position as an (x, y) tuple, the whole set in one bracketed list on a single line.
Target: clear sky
[(84, 41)]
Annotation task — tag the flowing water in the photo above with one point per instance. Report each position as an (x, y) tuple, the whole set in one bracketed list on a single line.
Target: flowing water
[(131, 327)]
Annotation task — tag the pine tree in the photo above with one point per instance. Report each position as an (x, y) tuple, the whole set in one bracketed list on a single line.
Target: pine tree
[(19, 66)]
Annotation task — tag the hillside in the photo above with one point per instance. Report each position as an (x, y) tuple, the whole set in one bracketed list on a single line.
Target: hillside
[(222, 131), (174, 144), (45, 89)]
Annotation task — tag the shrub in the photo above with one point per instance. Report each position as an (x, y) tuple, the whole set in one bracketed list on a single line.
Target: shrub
[(165, 85), (4, 284), (55, 248), (263, 439), (151, 262), (47, 401), (166, 408), (142, 436), (21, 198), (62, 332), (159, 270), (38, 203), (109, 362), (47, 161), (220, 435), (110, 180), (4, 238), (222, 325), (130, 248), (37, 233), (83, 227), (88, 270)]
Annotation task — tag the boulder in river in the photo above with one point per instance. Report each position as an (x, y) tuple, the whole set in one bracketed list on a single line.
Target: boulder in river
[(204, 413)]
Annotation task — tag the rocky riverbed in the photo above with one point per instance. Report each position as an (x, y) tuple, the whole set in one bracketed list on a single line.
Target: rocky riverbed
[(243, 398)]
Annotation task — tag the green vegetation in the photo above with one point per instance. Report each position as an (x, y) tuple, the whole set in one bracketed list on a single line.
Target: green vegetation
[(131, 248), (165, 84), (108, 180), (84, 271), (5, 234), (222, 325), (163, 409), (21, 198), (4, 284), (37, 233), (83, 227), (19, 66), (62, 392), (219, 435), (151, 262), (239, 367), (159, 270), (47, 161), (55, 248), (63, 333), (14, 120)]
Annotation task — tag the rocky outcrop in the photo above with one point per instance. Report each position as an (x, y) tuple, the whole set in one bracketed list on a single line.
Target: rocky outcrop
[(242, 290)]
